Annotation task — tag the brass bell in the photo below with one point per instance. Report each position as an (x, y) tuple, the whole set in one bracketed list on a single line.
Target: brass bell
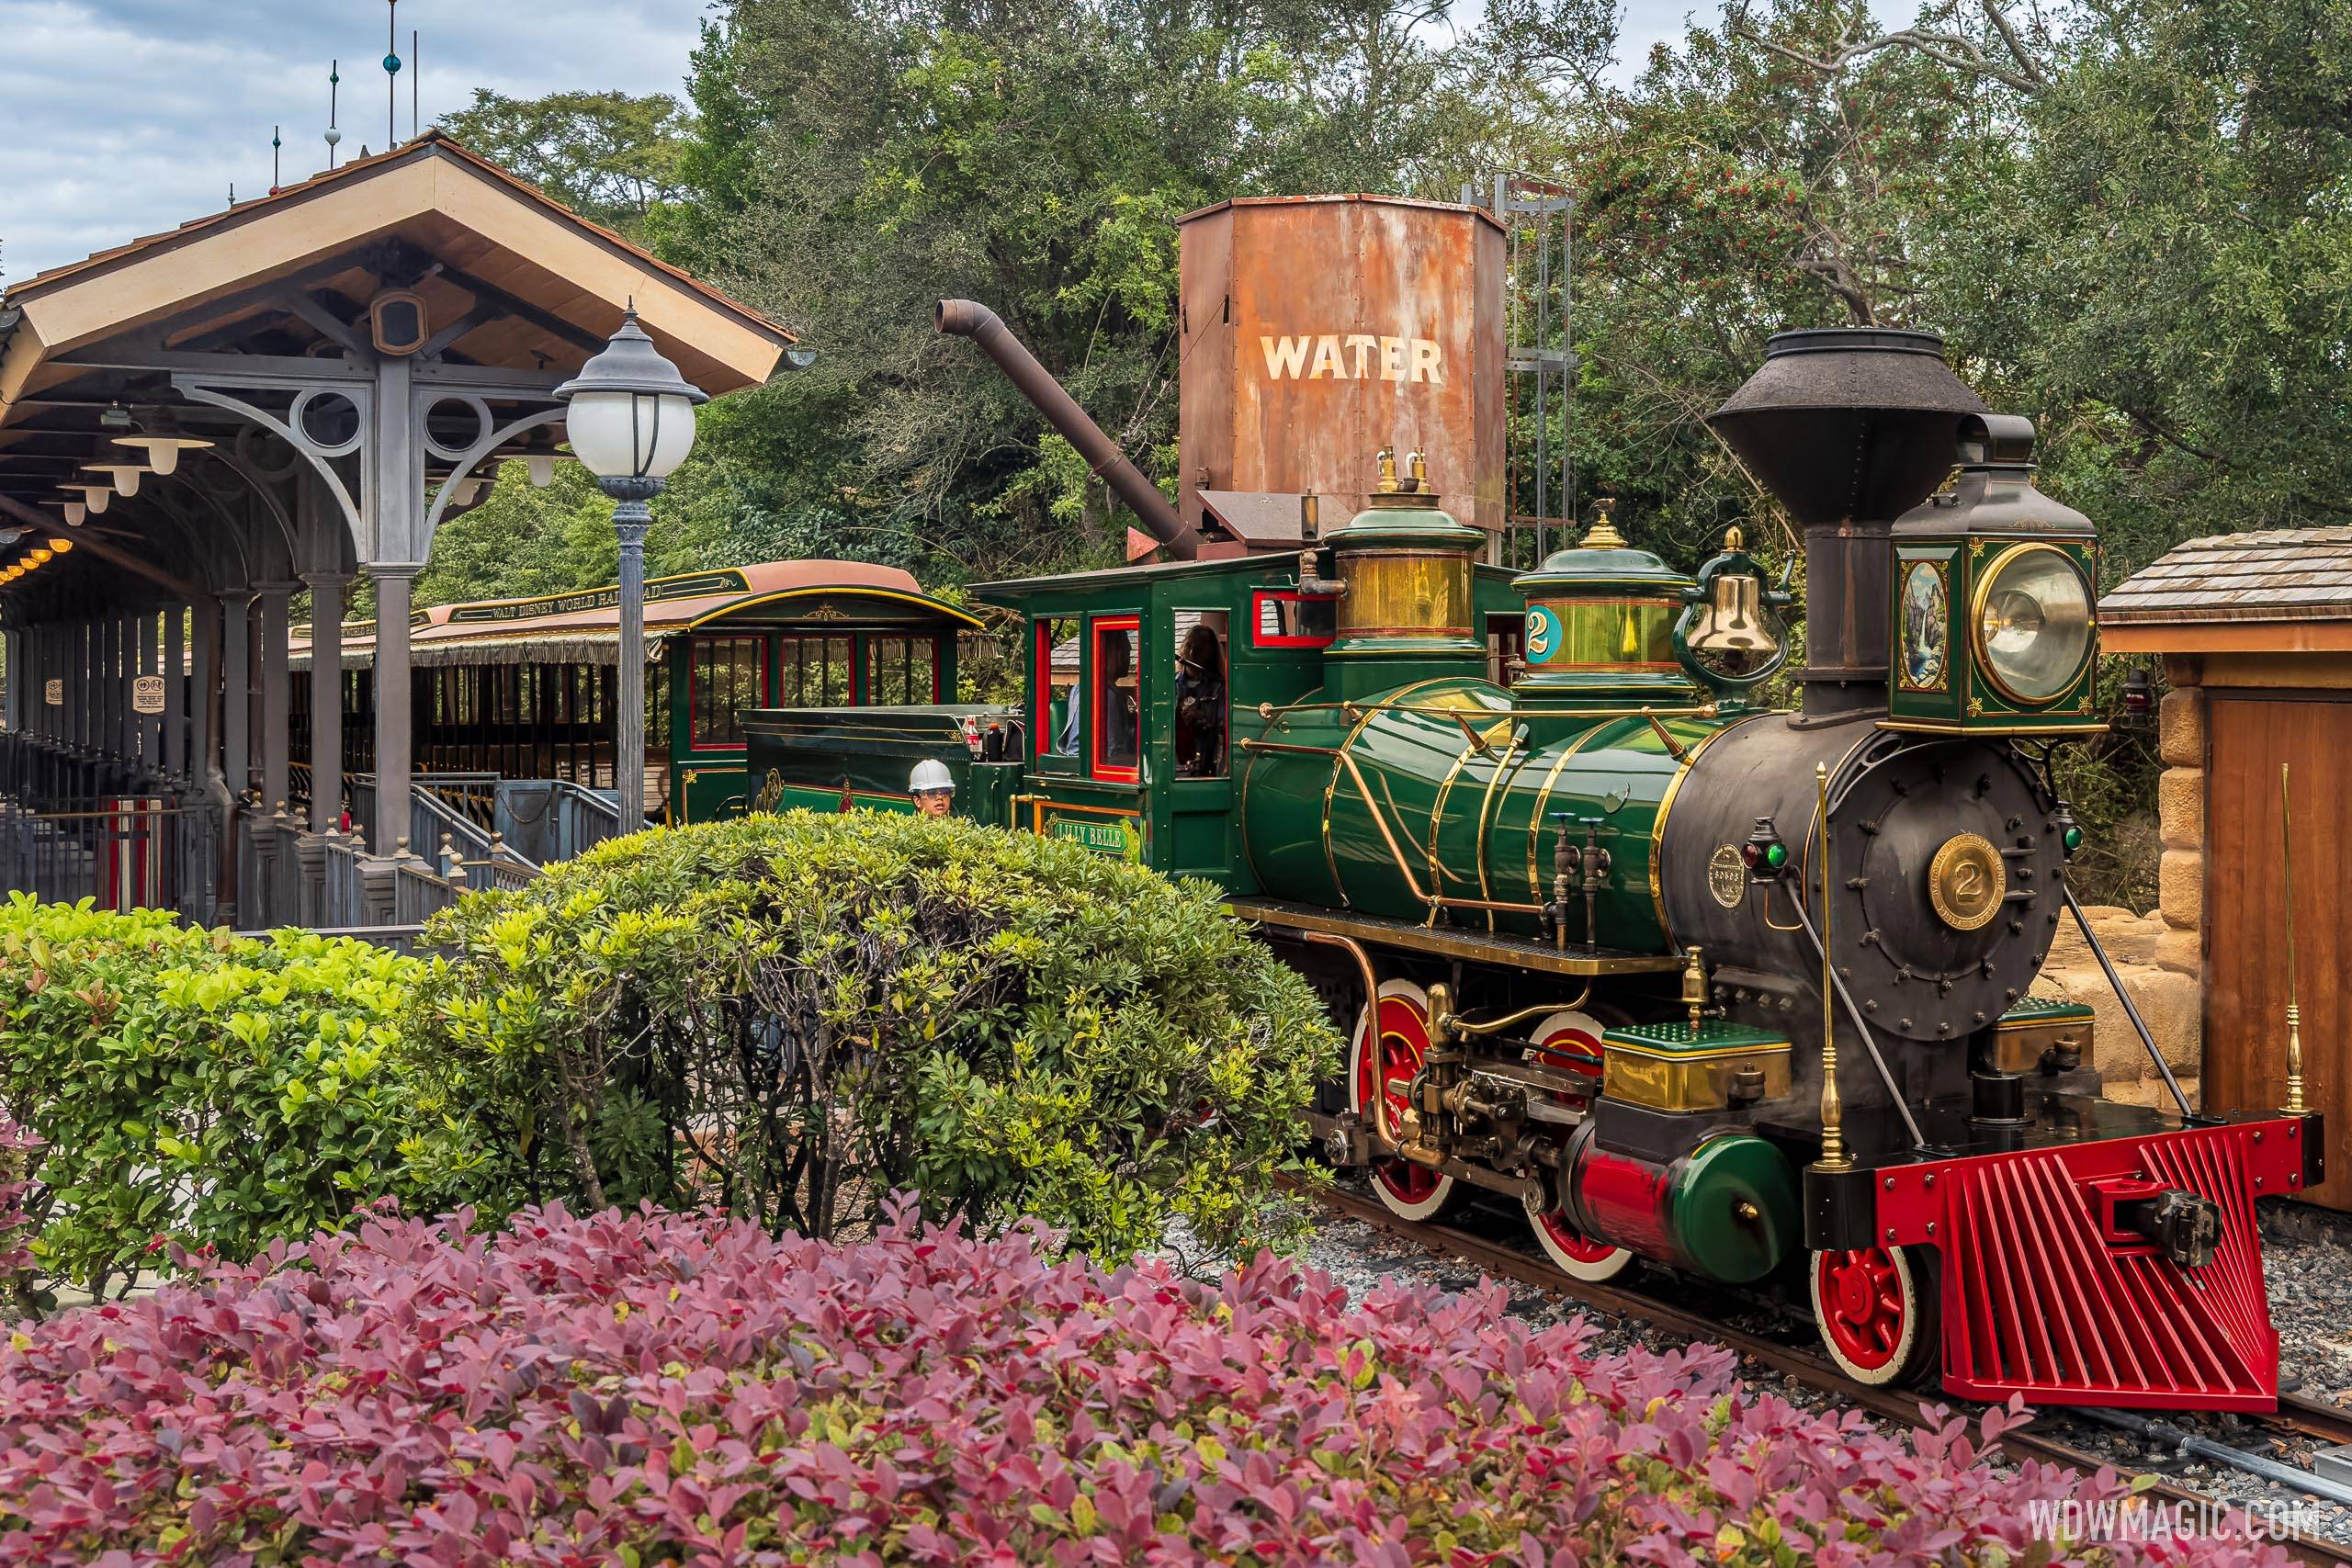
[(1732, 621)]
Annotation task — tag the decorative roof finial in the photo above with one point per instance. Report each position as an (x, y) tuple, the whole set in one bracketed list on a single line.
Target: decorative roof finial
[(1603, 534), (334, 95), (392, 75)]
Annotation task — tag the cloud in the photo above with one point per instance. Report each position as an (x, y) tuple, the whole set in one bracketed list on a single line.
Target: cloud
[(122, 118)]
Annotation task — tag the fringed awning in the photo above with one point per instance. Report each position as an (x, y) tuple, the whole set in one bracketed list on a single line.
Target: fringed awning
[(585, 648)]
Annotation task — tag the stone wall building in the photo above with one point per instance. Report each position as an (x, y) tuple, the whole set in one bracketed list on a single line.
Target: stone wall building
[(2255, 636)]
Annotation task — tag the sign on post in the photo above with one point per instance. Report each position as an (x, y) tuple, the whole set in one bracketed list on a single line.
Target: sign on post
[(53, 693), (146, 693)]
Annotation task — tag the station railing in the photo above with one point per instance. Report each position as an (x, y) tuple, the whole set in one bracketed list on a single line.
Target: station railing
[(73, 825), (122, 852)]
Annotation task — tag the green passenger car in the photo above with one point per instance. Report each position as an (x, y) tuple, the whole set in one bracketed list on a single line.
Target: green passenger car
[(523, 688)]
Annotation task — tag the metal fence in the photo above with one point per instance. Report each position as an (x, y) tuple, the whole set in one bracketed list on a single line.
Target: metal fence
[(74, 826), (153, 852)]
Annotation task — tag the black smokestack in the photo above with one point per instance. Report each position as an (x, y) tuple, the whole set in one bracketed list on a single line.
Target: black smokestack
[(1850, 428)]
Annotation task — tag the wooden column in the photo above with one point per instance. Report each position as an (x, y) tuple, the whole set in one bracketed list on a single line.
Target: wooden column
[(276, 694), (204, 665), (147, 659), (89, 707), (394, 716), (236, 690), (326, 698), (173, 656)]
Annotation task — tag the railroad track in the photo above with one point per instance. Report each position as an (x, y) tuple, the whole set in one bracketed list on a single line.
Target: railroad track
[(2305, 1417)]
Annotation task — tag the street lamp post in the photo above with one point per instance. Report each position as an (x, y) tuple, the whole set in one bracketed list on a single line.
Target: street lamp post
[(632, 420)]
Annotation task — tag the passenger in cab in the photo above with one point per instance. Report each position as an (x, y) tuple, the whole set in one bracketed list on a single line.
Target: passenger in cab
[(1200, 704)]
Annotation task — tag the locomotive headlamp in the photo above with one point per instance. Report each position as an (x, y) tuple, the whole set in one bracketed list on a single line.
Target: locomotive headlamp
[(2139, 698), (2033, 623)]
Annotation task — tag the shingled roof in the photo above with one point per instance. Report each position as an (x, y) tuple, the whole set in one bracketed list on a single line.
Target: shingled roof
[(2285, 574)]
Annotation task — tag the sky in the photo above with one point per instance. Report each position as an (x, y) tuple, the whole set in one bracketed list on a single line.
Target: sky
[(123, 117)]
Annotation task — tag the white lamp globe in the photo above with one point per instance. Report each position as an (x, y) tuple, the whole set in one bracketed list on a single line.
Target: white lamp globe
[(631, 415)]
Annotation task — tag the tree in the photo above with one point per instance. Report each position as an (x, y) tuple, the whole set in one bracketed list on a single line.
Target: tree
[(867, 158), (611, 157)]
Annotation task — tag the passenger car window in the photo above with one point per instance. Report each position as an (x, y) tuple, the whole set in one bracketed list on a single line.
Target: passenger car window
[(1201, 701), (729, 675)]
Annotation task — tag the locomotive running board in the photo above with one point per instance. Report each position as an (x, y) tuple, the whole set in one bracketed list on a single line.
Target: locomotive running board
[(1443, 941)]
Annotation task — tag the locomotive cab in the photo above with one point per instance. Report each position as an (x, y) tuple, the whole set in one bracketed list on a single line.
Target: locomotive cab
[(1148, 684)]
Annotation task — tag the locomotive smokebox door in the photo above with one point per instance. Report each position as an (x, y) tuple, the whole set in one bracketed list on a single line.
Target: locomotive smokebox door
[(1994, 591)]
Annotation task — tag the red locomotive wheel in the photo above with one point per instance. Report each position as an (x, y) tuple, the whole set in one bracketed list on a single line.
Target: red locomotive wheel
[(1876, 1310), (1385, 1065), (1571, 1041)]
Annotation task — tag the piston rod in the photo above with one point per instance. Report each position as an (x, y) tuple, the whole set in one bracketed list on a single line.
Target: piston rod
[(2115, 980)]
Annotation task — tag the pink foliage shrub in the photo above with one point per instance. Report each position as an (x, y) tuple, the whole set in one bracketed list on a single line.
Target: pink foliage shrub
[(660, 1388)]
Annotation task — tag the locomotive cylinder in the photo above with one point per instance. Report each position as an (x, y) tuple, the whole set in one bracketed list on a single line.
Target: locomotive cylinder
[(1727, 1210)]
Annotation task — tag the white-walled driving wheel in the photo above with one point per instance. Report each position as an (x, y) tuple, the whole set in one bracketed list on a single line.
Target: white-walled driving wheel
[(1877, 1311), (1383, 1058), (1570, 1041)]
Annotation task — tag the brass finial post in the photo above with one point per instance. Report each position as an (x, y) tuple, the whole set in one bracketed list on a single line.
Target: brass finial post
[(2294, 1106), (1603, 534), (1418, 466), (1694, 986), (1388, 459), (1832, 1111)]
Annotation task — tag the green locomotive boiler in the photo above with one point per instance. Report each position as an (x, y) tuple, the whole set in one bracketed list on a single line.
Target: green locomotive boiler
[(1741, 991)]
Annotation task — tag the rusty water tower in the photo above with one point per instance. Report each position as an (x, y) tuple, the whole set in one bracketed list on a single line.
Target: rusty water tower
[(1317, 328)]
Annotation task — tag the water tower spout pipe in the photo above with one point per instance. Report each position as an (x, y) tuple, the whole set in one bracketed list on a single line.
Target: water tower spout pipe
[(966, 318)]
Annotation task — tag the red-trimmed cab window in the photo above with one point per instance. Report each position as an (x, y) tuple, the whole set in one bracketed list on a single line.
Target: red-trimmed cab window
[(1283, 619), (1117, 699), (730, 674), (1054, 682)]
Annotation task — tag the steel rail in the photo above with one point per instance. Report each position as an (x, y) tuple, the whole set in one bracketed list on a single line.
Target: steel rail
[(1813, 1371)]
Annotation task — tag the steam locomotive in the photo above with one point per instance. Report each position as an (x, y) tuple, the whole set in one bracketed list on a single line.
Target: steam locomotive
[(1743, 992)]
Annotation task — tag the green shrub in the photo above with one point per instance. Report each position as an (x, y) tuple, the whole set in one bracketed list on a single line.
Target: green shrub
[(220, 1092), (792, 1015)]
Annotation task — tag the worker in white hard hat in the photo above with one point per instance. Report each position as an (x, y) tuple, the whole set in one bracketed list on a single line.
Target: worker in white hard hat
[(933, 786)]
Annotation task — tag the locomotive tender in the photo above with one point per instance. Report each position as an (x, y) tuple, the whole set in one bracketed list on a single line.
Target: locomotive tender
[(1743, 992)]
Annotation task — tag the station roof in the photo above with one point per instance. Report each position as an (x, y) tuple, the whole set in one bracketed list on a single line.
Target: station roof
[(449, 205), (2284, 590), (583, 628), (515, 289)]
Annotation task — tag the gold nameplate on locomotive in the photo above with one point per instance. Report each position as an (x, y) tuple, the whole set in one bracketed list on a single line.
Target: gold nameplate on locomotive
[(1967, 882), (1727, 877)]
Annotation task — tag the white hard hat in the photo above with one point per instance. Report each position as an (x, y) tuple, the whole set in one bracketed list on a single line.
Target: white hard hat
[(930, 774)]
